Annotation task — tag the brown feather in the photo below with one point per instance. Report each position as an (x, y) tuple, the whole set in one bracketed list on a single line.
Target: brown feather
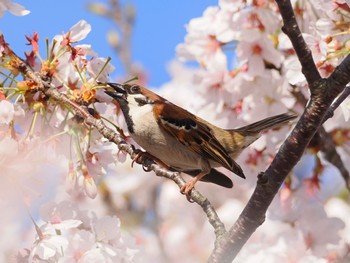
[(266, 124), (194, 134)]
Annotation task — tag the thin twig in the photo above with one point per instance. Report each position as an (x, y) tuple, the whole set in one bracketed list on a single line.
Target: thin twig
[(331, 154), (336, 104), (328, 146), (323, 140)]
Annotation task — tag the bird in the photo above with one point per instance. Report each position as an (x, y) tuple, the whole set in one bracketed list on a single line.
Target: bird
[(184, 142)]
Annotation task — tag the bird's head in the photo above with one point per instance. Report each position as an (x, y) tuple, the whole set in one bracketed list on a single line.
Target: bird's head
[(132, 95), (135, 101)]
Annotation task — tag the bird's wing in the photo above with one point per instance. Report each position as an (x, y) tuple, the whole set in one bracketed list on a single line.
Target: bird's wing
[(188, 130)]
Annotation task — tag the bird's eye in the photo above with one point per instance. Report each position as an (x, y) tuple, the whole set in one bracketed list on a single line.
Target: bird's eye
[(135, 89)]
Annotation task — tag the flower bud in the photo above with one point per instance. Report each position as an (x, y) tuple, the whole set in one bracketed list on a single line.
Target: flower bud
[(89, 183), (71, 179)]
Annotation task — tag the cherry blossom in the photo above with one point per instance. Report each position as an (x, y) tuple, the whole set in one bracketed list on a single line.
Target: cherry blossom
[(7, 112), (201, 43), (64, 239), (76, 33), (13, 8), (246, 70), (256, 50), (96, 65), (49, 248)]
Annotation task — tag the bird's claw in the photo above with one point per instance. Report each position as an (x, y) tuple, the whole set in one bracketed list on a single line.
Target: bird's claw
[(140, 158), (186, 190), (146, 168), (137, 157)]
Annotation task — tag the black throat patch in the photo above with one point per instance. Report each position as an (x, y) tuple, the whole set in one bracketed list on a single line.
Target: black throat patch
[(125, 109)]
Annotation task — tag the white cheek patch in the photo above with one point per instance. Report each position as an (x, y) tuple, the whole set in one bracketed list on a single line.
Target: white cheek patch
[(138, 112), (138, 97), (140, 100)]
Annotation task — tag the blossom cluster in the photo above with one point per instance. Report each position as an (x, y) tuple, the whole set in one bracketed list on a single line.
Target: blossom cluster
[(48, 154), (71, 235), (246, 70)]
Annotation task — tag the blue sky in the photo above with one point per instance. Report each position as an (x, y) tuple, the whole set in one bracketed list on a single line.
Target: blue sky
[(160, 26)]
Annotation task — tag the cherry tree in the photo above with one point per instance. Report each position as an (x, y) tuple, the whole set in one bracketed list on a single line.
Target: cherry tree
[(66, 155)]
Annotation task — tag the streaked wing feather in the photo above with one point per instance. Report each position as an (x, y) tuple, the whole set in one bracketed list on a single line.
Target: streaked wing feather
[(195, 135)]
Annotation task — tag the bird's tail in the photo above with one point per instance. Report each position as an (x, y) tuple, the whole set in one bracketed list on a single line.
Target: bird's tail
[(245, 136), (266, 124)]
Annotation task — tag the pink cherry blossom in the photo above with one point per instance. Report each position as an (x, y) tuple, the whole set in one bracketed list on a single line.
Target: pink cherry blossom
[(90, 186), (202, 43), (256, 49), (7, 112), (48, 246), (13, 8), (246, 68), (77, 32), (79, 244), (96, 65)]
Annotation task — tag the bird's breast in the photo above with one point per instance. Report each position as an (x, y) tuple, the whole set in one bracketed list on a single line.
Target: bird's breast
[(156, 141)]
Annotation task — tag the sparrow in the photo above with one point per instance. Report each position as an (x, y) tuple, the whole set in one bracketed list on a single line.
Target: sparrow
[(183, 141)]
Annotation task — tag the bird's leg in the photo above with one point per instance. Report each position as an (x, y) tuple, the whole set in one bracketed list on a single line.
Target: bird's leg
[(187, 187)]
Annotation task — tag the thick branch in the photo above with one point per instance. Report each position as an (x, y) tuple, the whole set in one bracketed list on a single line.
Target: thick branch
[(324, 91), (339, 78), (254, 213)]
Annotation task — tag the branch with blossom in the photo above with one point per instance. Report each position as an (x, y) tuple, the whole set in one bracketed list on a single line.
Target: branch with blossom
[(58, 115), (323, 140), (38, 82), (289, 154), (323, 92)]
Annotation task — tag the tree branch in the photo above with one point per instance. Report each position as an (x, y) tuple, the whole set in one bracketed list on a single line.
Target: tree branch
[(331, 155), (327, 145), (292, 30), (287, 157), (51, 92), (323, 92), (323, 140)]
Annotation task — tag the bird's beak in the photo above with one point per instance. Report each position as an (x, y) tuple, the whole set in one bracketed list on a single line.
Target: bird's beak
[(117, 87), (119, 93)]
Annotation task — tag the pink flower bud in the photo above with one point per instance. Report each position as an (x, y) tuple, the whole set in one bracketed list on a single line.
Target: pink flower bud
[(89, 183), (71, 179)]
